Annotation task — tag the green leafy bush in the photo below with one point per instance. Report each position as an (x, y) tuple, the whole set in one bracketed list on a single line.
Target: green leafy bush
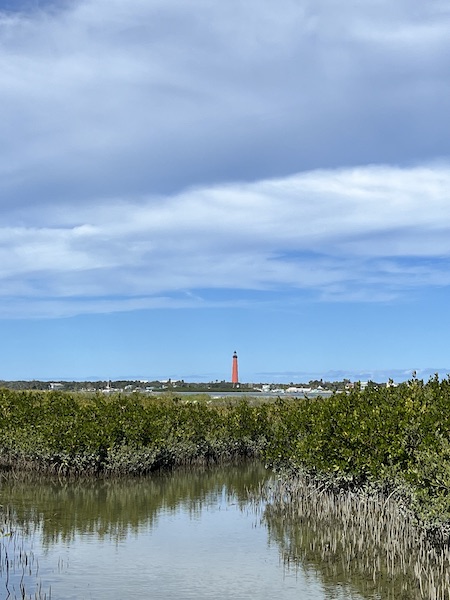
[(400, 434)]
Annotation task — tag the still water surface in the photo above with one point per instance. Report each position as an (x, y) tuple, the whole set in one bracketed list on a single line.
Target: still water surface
[(182, 535)]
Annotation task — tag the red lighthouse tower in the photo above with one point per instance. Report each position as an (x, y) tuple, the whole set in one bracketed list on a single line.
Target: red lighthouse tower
[(234, 370)]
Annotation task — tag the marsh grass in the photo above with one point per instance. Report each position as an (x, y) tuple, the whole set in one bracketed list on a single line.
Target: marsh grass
[(19, 567), (366, 537)]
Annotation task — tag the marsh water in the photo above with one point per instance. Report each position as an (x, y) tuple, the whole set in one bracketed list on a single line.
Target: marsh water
[(198, 533)]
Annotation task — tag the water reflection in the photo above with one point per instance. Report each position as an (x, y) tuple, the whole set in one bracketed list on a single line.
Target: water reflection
[(114, 509), (197, 534), (181, 535)]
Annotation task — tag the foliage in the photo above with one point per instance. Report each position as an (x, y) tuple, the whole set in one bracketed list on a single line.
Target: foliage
[(382, 433), (399, 434), (118, 434)]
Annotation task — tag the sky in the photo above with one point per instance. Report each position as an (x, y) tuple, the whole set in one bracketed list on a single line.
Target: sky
[(180, 180)]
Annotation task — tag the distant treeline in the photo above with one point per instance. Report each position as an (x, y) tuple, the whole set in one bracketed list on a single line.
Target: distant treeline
[(180, 385), (395, 435), (128, 385)]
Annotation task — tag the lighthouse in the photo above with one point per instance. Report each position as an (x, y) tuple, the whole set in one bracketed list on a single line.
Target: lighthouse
[(234, 370)]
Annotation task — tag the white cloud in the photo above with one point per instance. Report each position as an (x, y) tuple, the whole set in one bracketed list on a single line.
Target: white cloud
[(362, 233), (151, 148)]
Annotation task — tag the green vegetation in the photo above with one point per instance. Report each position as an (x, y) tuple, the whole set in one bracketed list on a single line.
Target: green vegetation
[(69, 433), (399, 436), (396, 435)]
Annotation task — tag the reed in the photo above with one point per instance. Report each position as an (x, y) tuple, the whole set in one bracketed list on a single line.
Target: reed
[(363, 538), (19, 567)]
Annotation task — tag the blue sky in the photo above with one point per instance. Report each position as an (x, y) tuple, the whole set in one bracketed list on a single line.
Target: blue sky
[(179, 180)]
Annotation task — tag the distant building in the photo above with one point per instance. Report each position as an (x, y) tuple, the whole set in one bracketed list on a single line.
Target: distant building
[(297, 390), (234, 370), (55, 386)]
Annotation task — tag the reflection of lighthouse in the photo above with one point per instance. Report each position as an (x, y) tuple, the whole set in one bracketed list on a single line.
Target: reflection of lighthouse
[(234, 370)]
